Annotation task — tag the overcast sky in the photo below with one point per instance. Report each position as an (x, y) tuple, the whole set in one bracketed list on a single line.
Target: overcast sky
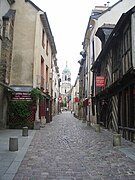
[(68, 20)]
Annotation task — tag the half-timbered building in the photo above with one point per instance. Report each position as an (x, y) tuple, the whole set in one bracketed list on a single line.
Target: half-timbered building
[(114, 71)]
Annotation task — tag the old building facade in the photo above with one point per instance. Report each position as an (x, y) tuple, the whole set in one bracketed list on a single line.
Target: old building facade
[(115, 100), (30, 58), (92, 47), (75, 98), (56, 88), (6, 42)]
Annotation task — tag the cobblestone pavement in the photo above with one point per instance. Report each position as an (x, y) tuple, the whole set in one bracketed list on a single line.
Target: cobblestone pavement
[(67, 149)]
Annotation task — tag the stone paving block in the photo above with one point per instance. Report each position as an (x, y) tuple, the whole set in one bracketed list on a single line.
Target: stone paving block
[(13, 168), (67, 149), (10, 160), (8, 177), (2, 172)]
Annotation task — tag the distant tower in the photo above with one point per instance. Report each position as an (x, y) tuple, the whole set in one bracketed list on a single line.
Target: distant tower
[(66, 80)]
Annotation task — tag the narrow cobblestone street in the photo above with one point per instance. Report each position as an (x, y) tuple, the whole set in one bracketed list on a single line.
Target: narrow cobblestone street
[(67, 149)]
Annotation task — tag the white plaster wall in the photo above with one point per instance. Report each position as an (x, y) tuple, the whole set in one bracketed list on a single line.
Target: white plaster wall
[(112, 17), (23, 43), (27, 47), (109, 17), (55, 87), (48, 60), (38, 51)]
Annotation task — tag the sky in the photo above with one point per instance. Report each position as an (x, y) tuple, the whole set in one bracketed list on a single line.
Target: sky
[(68, 21)]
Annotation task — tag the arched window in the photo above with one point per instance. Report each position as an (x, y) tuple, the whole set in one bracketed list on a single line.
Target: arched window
[(65, 77)]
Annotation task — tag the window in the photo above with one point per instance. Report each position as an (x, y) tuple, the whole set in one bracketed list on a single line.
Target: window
[(1, 25), (7, 25), (47, 47), (42, 72), (43, 37), (47, 73)]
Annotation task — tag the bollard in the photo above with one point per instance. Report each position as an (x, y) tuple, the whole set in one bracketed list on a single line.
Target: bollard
[(79, 118), (37, 125), (25, 131), (83, 120), (97, 128), (116, 139), (13, 143), (88, 123)]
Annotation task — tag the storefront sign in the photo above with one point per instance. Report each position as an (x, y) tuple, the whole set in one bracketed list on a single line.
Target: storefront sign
[(21, 96), (100, 81)]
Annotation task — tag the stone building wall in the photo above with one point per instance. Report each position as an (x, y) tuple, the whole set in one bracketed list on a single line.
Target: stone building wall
[(5, 67)]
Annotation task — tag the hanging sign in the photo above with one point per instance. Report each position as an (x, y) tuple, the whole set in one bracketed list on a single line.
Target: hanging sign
[(100, 81), (76, 99)]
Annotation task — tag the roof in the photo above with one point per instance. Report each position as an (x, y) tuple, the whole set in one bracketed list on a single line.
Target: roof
[(96, 13), (34, 5), (46, 25), (104, 32), (9, 14), (107, 26), (109, 8), (11, 1), (124, 18), (66, 70)]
